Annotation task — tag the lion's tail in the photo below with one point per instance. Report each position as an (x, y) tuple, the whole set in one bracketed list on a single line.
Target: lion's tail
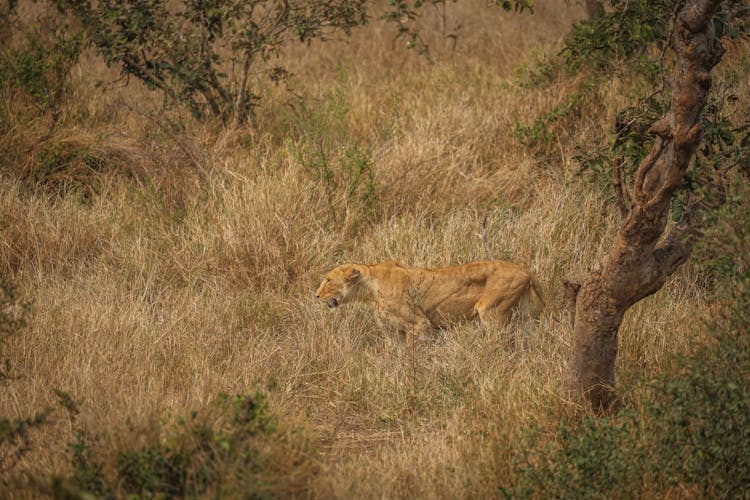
[(524, 303), (537, 289)]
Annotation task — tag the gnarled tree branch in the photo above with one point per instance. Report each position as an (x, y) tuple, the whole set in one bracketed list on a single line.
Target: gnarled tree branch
[(639, 263)]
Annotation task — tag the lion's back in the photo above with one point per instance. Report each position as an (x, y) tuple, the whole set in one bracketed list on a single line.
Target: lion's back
[(447, 294)]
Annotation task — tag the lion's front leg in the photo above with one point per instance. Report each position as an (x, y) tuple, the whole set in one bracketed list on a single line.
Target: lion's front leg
[(410, 325), (415, 328)]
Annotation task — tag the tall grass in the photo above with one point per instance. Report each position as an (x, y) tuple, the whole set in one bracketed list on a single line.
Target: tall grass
[(184, 265)]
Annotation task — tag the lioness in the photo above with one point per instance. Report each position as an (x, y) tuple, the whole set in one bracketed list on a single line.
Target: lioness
[(419, 299)]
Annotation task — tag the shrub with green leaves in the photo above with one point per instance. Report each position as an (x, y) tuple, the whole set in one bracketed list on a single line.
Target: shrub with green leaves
[(204, 54), (327, 150), (36, 58), (688, 432), (37, 53), (15, 433), (630, 40), (624, 33), (691, 435), (41, 65), (233, 448)]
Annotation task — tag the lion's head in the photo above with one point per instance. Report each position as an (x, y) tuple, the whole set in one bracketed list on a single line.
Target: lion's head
[(339, 285)]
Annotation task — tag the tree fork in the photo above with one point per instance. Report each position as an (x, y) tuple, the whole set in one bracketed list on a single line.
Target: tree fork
[(640, 260)]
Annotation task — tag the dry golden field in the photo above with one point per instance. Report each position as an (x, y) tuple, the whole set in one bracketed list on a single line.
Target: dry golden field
[(186, 266)]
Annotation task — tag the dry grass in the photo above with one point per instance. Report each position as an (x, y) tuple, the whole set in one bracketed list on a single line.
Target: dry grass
[(189, 269)]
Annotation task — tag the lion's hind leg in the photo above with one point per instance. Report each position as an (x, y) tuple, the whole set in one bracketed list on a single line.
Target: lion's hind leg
[(496, 312), (496, 309), (494, 315)]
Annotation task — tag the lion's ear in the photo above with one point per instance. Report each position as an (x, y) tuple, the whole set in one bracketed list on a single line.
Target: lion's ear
[(354, 274)]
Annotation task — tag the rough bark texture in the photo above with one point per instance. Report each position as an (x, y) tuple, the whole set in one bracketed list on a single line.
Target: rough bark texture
[(640, 259)]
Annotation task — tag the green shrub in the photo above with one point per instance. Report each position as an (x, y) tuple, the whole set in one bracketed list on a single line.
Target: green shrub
[(203, 54), (37, 58), (692, 434), (332, 156), (632, 38), (15, 433), (231, 448), (87, 472)]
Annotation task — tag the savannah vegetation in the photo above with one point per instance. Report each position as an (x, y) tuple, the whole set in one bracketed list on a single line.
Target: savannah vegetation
[(173, 185)]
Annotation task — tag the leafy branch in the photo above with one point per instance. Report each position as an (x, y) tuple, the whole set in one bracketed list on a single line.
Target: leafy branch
[(204, 53)]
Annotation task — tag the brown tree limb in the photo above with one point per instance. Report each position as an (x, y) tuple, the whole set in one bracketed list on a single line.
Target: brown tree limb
[(677, 246), (638, 264), (639, 193)]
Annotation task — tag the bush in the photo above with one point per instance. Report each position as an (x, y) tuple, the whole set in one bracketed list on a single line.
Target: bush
[(204, 54), (692, 435), (630, 41), (689, 434), (331, 156), (233, 448), (37, 58), (15, 433)]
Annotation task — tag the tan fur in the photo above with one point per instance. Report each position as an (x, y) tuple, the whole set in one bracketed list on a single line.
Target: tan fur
[(419, 299)]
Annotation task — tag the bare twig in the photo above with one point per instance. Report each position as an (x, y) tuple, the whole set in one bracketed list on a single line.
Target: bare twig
[(667, 44), (483, 237)]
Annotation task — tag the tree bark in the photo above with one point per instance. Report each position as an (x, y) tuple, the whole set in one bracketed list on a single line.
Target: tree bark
[(641, 258)]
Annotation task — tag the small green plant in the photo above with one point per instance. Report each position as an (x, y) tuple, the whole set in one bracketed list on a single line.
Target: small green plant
[(87, 472), (15, 433), (37, 59), (539, 72), (42, 65), (541, 135), (330, 154), (693, 433), (37, 54)]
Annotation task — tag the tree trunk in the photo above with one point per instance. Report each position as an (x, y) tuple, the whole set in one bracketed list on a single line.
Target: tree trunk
[(641, 259)]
